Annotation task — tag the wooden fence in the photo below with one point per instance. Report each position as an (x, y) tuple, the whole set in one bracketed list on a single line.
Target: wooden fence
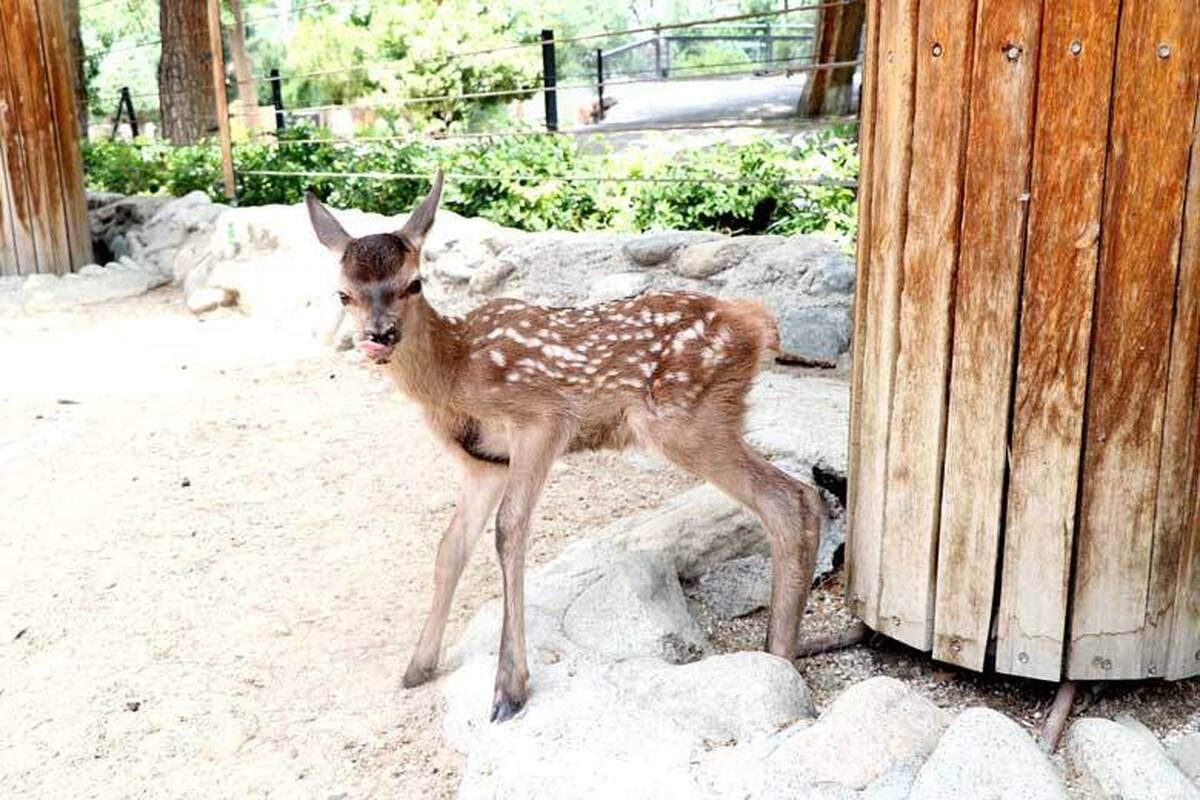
[(43, 214), (1025, 443)]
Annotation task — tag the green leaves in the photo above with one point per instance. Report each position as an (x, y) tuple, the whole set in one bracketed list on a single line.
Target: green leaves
[(530, 182)]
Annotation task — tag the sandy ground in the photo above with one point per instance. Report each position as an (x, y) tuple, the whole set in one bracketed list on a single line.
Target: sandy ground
[(216, 555)]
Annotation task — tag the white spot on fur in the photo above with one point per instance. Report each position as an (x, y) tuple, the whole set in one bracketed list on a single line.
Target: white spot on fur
[(513, 377), (647, 369), (498, 358)]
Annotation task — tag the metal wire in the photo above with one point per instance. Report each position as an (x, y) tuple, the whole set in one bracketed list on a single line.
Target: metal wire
[(585, 130), (400, 101), (466, 176), (581, 38)]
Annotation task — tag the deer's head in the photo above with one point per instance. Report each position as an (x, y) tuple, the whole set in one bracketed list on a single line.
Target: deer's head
[(378, 281)]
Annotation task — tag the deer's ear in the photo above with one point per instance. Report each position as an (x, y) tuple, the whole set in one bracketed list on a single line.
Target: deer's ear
[(421, 219), (329, 231)]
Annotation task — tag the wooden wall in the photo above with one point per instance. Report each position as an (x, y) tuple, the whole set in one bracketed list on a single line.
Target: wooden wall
[(43, 215), (1025, 442)]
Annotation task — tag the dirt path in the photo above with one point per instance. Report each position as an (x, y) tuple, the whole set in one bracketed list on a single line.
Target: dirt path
[(215, 556)]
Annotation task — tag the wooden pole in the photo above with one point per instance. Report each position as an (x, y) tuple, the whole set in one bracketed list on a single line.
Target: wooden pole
[(218, 67)]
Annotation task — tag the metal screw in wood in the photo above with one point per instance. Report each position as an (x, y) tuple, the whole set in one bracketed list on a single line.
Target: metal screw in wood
[(1076, 47), (1164, 51), (937, 49)]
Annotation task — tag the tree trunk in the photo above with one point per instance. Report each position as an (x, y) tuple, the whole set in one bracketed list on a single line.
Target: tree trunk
[(78, 74), (185, 79), (831, 91), (242, 67)]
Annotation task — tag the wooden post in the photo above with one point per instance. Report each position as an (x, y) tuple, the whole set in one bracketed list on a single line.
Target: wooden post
[(43, 216), (218, 67)]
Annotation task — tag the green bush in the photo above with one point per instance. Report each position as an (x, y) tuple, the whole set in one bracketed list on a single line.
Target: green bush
[(536, 183)]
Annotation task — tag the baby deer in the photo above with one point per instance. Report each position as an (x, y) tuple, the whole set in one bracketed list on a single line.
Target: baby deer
[(513, 386)]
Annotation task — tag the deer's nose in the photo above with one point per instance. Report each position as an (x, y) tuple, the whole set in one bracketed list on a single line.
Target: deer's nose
[(384, 336)]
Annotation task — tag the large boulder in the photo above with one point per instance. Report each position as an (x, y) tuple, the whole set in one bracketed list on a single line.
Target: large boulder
[(604, 688), (1107, 761), (985, 754), (268, 259), (1185, 752), (872, 740)]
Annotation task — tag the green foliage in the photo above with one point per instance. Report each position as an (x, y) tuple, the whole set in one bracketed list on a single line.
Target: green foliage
[(533, 181)]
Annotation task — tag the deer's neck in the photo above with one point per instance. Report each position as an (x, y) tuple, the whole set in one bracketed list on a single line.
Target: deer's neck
[(429, 355)]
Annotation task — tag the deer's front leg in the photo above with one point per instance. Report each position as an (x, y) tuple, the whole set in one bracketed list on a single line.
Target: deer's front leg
[(481, 488), (530, 455)]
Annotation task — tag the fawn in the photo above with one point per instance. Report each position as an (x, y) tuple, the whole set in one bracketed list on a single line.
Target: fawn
[(513, 386)]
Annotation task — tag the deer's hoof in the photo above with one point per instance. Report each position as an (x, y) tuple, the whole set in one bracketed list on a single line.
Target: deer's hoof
[(414, 676), (505, 708)]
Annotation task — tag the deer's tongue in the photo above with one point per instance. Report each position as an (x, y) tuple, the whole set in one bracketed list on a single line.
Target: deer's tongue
[(374, 349)]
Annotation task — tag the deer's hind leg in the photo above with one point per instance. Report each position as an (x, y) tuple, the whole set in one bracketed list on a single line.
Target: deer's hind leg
[(789, 510), (480, 492)]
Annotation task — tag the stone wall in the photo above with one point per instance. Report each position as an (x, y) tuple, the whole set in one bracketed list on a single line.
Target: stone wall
[(267, 260)]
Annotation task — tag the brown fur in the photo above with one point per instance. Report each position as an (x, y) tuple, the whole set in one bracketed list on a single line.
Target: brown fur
[(513, 386)]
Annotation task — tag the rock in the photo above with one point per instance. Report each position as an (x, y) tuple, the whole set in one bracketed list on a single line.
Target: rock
[(736, 588), (985, 754), (710, 258), (652, 249), (601, 694), (618, 285), (118, 245), (696, 531), (90, 269), (779, 401), (872, 739), (491, 275), (49, 293), (40, 282), (698, 696), (1185, 753), (202, 300), (1105, 759), (1132, 723), (818, 331), (631, 610)]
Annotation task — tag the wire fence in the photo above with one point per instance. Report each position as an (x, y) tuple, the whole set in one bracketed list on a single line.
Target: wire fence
[(603, 84)]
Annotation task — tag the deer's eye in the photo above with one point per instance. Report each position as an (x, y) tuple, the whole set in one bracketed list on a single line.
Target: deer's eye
[(414, 287), (345, 298)]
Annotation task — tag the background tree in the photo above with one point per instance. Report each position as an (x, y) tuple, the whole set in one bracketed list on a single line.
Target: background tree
[(243, 67), (78, 72), (185, 79)]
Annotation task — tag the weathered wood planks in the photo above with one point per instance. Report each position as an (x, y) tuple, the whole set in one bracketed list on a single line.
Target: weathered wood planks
[(890, 160), (985, 318), (43, 221), (1153, 112), (914, 458), (862, 277), (1038, 490), (1062, 245), (1173, 603)]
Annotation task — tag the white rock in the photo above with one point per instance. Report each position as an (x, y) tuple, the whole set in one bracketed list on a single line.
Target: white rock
[(1185, 753), (737, 587), (630, 611), (985, 754), (871, 729), (90, 269), (203, 300), (600, 693), (1107, 760), (621, 284)]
